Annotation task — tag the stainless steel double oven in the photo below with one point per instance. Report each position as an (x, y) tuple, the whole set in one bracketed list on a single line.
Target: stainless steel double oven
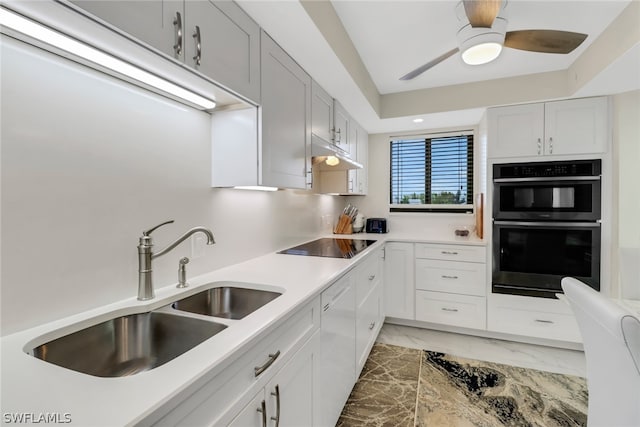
[(546, 226)]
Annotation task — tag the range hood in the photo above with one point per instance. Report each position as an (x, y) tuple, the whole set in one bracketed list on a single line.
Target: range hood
[(321, 149)]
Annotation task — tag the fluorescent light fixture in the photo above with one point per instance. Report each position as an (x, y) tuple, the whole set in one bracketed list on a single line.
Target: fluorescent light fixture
[(256, 187), (418, 120), (68, 44), (332, 160)]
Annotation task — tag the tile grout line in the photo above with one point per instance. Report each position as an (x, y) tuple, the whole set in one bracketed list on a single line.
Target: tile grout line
[(415, 412)]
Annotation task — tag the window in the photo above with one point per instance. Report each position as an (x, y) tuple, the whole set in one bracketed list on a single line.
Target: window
[(434, 173)]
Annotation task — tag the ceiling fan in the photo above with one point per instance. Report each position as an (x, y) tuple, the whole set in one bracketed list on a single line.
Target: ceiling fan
[(481, 40)]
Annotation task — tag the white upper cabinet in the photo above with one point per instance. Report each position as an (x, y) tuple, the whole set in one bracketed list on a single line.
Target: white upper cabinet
[(155, 22), (215, 37), (321, 113), (575, 126), (341, 122), (223, 42), (286, 119)]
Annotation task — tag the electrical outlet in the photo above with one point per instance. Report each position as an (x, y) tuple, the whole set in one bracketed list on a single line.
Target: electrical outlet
[(198, 244)]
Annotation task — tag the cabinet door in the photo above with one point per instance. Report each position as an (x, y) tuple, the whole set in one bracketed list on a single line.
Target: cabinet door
[(341, 121), (516, 131), (291, 393), (155, 22), (252, 414), (399, 286), (576, 126), (321, 113), (229, 51), (362, 153), (286, 119)]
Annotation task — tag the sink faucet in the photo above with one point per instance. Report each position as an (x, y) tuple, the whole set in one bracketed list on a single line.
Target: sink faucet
[(145, 255)]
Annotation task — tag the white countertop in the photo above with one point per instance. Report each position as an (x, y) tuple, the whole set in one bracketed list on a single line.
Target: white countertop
[(32, 386)]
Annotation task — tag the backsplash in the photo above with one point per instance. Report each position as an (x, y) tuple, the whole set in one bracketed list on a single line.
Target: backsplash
[(88, 163)]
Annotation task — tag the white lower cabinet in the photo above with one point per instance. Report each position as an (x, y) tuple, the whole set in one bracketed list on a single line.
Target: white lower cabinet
[(451, 309), (451, 285), (369, 306), (534, 317), (275, 359), (288, 399), (399, 283)]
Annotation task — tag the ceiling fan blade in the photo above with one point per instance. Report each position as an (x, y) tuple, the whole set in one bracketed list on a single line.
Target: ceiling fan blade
[(430, 64), (545, 41), (481, 13)]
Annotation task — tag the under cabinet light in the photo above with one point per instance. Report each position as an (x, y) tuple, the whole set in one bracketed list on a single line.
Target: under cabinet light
[(39, 32), (256, 188)]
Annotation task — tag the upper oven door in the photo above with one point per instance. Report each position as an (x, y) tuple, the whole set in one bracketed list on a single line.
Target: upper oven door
[(560, 198)]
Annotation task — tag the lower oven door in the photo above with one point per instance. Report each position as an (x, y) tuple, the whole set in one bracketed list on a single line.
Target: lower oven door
[(531, 258)]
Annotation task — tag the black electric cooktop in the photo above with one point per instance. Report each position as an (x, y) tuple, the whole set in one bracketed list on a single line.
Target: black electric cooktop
[(331, 248)]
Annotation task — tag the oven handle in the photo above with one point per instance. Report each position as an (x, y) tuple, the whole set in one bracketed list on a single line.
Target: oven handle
[(550, 224), (549, 179)]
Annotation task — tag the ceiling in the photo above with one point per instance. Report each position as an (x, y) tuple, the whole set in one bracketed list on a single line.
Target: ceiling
[(358, 49)]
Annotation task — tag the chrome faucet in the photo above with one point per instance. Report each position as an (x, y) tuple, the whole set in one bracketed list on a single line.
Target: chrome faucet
[(145, 255)]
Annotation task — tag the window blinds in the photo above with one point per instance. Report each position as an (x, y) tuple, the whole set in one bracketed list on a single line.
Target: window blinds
[(432, 171)]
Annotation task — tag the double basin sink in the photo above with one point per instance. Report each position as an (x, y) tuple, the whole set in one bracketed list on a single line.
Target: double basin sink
[(127, 345)]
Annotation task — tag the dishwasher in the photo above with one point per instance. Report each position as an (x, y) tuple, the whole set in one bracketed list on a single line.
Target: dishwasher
[(337, 361)]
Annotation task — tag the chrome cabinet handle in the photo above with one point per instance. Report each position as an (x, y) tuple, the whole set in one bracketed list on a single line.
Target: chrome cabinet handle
[(373, 276), (337, 137), (544, 321), (449, 253), (372, 325), (539, 146), (198, 39), (263, 410), (453, 310), (272, 358), (449, 277), (550, 145), (177, 22), (277, 396)]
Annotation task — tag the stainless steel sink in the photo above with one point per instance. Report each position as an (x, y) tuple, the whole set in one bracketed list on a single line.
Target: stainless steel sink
[(127, 345), (229, 302)]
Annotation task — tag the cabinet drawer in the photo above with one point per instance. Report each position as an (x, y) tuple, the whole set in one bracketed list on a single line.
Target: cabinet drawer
[(539, 324), (212, 400), (451, 309), (368, 276), (451, 252), (367, 326), (466, 278)]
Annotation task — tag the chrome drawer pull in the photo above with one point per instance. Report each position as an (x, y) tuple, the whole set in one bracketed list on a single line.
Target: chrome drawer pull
[(372, 325), (177, 22), (373, 276), (449, 277), (452, 310), (449, 253), (198, 40), (276, 394), (263, 410), (272, 358), (544, 321)]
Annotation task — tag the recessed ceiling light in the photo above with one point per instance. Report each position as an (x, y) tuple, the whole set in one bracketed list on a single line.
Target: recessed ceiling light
[(418, 120)]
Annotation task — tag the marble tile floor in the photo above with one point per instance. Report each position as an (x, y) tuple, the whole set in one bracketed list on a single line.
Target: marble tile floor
[(561, 361)]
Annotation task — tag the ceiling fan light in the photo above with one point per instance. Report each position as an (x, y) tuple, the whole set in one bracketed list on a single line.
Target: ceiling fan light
[(481, 53)]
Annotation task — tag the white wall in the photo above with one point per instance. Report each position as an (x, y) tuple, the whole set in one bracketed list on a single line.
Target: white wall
[(88, 162), (626, 142)]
